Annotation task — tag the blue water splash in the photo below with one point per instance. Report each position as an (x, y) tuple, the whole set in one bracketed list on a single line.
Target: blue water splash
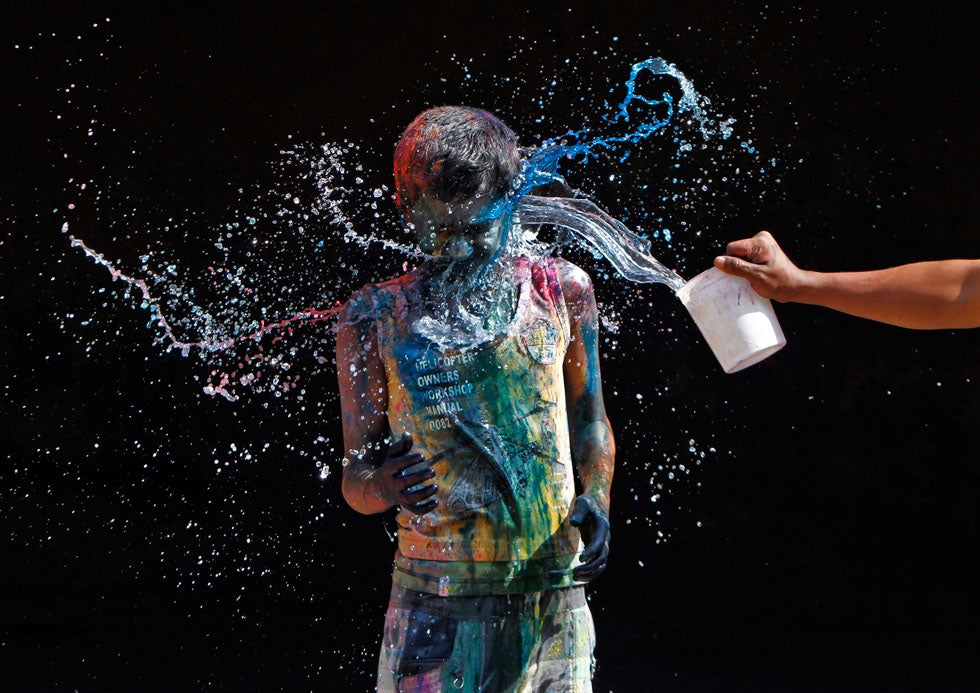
[(627, 251)]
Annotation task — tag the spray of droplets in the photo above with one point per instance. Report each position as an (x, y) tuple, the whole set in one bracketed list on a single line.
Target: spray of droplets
[(246, 294), (318, 193)]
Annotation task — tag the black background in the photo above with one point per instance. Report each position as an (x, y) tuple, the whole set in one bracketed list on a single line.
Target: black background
[(828, 539)]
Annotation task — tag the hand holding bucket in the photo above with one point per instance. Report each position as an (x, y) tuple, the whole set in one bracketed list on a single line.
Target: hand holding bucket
[(739, 325)]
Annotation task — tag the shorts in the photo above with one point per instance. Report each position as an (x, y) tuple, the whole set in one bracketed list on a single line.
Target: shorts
[(543, 641)]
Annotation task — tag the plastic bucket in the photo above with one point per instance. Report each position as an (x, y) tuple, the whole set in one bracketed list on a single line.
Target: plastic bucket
[(739, 325)]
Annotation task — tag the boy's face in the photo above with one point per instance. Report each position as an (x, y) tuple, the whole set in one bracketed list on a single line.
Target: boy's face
[(444, 230)]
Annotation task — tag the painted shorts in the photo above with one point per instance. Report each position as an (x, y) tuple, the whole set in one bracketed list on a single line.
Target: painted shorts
[(542, 641)]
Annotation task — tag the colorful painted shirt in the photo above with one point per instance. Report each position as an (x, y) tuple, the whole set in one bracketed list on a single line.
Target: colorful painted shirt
[(494, 418)]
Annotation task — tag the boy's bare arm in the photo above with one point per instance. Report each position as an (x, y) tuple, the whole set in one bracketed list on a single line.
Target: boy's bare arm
[(593, 446), (374, 477)]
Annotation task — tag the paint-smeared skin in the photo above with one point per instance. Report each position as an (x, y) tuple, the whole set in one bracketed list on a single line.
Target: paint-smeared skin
[(593, 446), (374, 478), (363, 403), (592, 442), (366, 400)]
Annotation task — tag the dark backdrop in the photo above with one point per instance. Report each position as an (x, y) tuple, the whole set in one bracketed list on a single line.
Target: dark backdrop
[(817, 523)]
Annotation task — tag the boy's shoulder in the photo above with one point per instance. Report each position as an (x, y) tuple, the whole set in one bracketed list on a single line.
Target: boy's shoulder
[(574, 280), (386, 286), (373, 298)]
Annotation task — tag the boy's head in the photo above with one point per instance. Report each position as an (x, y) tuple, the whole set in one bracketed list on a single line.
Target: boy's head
[(450, 163)]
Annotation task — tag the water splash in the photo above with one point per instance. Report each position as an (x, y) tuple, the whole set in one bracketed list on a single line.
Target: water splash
[(625, 250), (172, 341), (335, 186), (628, 252)]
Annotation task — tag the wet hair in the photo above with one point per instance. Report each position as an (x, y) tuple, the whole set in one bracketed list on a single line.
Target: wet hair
[(454, 153)]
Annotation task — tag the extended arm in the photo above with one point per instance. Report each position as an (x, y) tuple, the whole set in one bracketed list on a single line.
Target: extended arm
[(921, 295), (376, 476), (593, 447)]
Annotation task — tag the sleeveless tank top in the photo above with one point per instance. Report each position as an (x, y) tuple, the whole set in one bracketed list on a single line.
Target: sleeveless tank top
[(494, 418)]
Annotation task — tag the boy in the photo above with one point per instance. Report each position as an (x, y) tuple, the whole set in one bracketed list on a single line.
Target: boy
[(482, 366)]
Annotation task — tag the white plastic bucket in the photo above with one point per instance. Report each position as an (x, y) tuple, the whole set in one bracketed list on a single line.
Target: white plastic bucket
[(739, 325)]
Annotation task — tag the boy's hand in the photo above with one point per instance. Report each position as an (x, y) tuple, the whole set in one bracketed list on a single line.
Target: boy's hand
[(594, 526), (401, 478)]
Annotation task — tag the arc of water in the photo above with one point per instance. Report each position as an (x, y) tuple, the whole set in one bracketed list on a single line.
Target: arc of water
[(625, 250)]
